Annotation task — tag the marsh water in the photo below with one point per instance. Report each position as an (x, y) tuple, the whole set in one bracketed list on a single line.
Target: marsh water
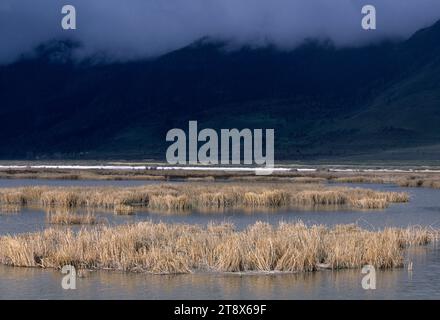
[(423, 282)]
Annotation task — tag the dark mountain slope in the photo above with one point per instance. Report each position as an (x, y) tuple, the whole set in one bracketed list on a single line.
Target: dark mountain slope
[(321, 101), (406, 113)]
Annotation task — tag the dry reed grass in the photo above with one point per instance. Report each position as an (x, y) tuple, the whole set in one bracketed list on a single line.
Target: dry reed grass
[(427, 180), (65, 217), (199, 196), (78, 174), (278, 178), (182, 248), (123, 210), (361, 179), (423, 182)]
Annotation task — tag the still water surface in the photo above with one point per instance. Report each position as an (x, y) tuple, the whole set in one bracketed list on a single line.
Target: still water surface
[(422, 283)]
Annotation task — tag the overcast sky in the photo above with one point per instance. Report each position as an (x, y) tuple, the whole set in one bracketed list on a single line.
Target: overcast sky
[(132, 29)]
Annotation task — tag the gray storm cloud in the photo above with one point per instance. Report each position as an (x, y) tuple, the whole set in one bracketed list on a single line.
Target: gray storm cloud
[(134, 29)]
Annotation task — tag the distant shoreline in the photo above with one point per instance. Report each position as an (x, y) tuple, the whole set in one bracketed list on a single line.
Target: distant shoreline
[(128, 167)]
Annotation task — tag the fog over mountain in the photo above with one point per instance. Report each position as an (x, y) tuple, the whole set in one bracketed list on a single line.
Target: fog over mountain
[(358, 97), (122, 30)]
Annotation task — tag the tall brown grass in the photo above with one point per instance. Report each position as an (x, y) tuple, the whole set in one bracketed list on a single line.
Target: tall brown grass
[(182, 248), (123, 210), (188, 196), (419, 182), (424, 180), (65, 217), (361, 179), (81, 174)]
